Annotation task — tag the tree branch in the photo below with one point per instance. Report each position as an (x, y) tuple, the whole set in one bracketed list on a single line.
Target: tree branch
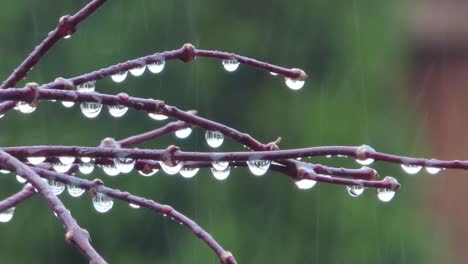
[(17, 198)]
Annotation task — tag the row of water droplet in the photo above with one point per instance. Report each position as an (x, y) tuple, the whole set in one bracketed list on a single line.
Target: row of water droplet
[(408, 168)]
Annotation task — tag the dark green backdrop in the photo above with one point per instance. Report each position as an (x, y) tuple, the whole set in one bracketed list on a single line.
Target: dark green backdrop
[(354, 53)]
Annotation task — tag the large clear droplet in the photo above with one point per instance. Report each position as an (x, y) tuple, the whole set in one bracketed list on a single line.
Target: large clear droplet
[(411, 169), (75, 191), (385, 195), (188, 172), (433, 170), (355, 190), (117, 110), (183, 133), (148, 172), (305, 184), (67, 160), (365, 162), (20, 179), (171, 170), (124, 165), (56, 187), (36, 160), (230, 65), (90, 110), (294, 84), (102, 203), (157, 116), (214, 138), (258, 167), (60, 167), (110, 169), (25, 108), (220, 165), (68, 104), (7, 215), (138, 71), (157, 66), (221, 174), (86, 87), (119, 77), (86, 168)]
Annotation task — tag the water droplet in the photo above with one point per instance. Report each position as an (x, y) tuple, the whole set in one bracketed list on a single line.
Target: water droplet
[(433, 170), (67, 37), (67, 160), (258, 167), (56, 187), (385, 195), (124, 165), (138, 71), (365, 162), (148, 173), (188, 172), (5, 171), (117, 110), (328, 156), (102, 203), (60, 167), (355, 190), (132, 205), (411, 169), (119, 77), (85, 159), (20, 179), (214, 138), (157, 116), (220, 165), (68, 104), (90, 110), (305, 184), (36, 160), (110, 169), (157, 66), (294, 84), (230, 65), (273, 73), (7, 215), (25, 108), (171, 170), (221, 174), (75, 191), (86, 87), (183, 133), (86, 168)]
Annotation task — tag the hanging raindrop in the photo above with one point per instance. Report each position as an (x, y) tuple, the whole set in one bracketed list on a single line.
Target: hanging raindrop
[(411, 169), (132, 205), (20, 179), (157, 66), (294, 84), (119, 77), (148, 172), (273, 73), (67, 160), (5, 171), (60, 167), (305, 184), (68, 104), (56, 187), (7, 215), (385, 195), (110, 169), (433, 170), (220, 165), (90, 110), (214, 138), (117, 110), (87, 87), (171, 170), (258, 167), (25, 108), (230, 65), (85, 159), (138, 71), (365, 162), (355, 190), (124, 165), (86, 167), (36, 160), (221, 174), (74, 191), (102, 203), (183, 133), (157, 116), (188, 172)]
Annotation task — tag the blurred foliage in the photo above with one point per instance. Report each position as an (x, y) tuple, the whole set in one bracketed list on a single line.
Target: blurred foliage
[(354, 54)]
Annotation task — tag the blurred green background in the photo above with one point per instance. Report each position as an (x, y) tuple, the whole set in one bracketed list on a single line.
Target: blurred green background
[(354, 53)]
